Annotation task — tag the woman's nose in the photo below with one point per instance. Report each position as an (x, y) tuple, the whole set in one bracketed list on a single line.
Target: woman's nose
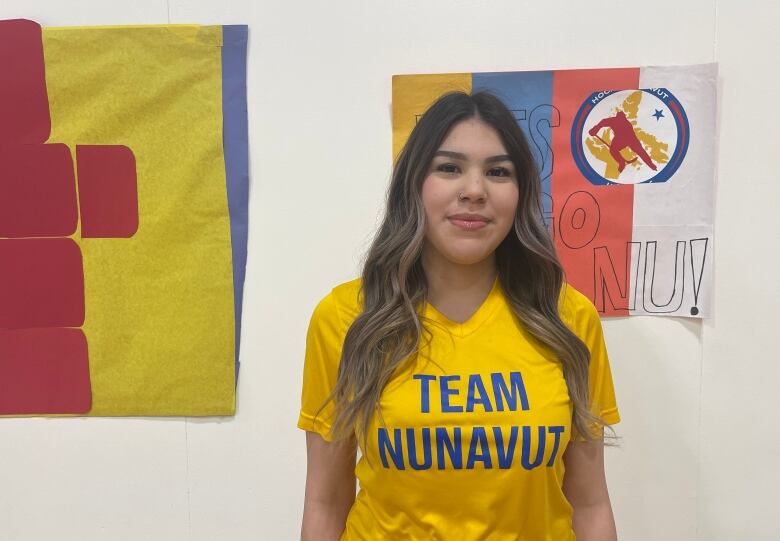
[(474, 187)]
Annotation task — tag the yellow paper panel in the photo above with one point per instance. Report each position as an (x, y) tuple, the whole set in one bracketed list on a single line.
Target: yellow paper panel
[(413, 94), (159, 305)]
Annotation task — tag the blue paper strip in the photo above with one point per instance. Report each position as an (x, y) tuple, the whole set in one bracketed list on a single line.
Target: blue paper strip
[(236, 148), (529, 95)]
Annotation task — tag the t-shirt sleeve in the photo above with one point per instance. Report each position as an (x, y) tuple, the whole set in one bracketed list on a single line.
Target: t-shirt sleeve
[(324, 341), (600, 386), (583, 318)]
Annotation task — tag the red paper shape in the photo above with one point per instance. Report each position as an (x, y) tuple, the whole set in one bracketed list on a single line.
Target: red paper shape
[(108, 191), (24, 103), (41, 283), (44, 371), (37, 191)]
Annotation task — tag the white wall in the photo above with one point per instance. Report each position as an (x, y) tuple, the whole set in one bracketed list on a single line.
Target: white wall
[(699, 454)]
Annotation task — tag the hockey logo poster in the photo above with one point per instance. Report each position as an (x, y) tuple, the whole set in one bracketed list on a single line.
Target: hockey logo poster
[(626, 160)]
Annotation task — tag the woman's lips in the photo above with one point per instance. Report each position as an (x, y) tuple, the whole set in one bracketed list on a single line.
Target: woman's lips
[(468, 225)]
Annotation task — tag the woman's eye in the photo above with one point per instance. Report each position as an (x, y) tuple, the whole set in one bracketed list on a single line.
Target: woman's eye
[(447, 168), (500, 172)]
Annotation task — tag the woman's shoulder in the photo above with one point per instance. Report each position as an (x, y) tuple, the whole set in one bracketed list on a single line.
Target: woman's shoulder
[(343, 302), (576, 309), (347, 296)]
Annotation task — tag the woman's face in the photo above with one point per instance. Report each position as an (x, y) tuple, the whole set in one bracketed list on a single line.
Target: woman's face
[(470, 194)]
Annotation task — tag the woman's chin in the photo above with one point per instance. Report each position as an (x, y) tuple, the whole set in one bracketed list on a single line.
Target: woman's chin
[(467, 257)]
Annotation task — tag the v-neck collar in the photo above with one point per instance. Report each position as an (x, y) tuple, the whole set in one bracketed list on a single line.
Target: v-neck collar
[(474, 321)]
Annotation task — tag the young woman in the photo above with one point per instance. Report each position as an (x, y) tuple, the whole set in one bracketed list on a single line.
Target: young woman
[(473, 379)]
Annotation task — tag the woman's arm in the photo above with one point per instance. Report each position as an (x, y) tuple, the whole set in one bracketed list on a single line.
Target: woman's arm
[(585, 486), (330, 487)]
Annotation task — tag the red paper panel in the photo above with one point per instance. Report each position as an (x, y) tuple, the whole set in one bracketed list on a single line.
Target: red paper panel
[(582, 223), (44, 371), (24, 104), (107, 191), (37, 191), (41, 283)]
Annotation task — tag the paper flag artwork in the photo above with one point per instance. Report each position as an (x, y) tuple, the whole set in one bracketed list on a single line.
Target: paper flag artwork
[(123, 218), (626, 159)]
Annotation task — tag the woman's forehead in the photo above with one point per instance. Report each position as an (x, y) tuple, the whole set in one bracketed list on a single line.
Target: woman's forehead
[(473, 138)]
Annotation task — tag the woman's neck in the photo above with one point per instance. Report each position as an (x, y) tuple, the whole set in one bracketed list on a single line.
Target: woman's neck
[(457, 290)]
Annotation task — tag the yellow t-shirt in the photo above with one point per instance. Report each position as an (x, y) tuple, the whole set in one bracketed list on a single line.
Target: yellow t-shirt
[(475, 430)]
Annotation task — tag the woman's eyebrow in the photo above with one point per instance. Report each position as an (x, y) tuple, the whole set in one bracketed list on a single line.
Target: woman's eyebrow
[(499, 158), (450, 154), (461, 156)]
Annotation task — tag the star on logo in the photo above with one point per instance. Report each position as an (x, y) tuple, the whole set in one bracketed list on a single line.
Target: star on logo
[(658, 114)]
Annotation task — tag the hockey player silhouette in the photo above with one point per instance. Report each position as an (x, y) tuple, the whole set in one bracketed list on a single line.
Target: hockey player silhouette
[(623, 136)]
